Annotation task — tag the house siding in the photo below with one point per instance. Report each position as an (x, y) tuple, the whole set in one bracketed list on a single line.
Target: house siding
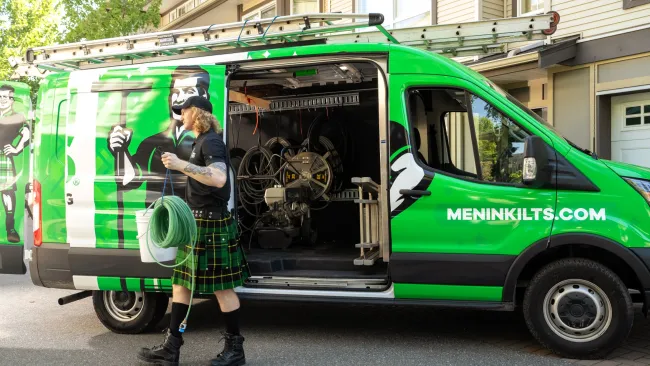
[(493, 9), (596, 17), (456, 11)]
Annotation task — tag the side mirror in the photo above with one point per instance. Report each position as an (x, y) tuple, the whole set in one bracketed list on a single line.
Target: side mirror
[(537, 170)]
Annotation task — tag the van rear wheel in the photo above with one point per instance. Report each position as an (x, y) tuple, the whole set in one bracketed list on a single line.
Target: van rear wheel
[(578, 308), (129, 312)]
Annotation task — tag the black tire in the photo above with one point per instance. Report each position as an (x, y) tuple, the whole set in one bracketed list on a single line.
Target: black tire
[(162, 302), (600, 338), (147, 310)]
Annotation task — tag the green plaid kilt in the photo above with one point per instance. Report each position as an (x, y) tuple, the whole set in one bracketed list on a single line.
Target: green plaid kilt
[(7, 173), (219, 260)]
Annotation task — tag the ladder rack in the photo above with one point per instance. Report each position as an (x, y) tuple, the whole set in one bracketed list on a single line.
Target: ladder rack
[(453, 40)]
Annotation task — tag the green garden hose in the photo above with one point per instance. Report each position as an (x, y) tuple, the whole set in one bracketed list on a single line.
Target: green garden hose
[(172, 225)]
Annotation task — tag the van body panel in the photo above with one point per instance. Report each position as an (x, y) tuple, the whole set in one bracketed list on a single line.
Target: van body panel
[(628, 170), (15, 145), (617, 212)]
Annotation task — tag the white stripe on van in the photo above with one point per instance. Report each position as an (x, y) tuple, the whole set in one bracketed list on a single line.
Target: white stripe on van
[(85, 282), (80, 188)]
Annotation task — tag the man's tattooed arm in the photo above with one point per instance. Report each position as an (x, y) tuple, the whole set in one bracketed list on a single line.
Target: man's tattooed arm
[(213, 175), (202, 170)]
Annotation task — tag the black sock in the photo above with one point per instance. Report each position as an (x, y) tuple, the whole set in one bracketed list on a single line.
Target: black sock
[(232, 322), (179, 311)]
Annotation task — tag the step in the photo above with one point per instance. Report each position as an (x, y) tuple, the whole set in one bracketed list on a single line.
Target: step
[(368, 259), (366, 201), (366, 245)]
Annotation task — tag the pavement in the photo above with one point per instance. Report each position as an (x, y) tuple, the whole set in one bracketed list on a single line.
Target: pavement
[(35, 330)]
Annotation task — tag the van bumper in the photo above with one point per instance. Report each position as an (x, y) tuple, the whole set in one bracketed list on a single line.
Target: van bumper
[(49, 266)]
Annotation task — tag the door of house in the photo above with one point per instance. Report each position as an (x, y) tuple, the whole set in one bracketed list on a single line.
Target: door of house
[(631, 129)]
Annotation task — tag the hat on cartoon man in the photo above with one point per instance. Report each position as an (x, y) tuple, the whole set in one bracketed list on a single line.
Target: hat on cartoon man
[(194, 101)]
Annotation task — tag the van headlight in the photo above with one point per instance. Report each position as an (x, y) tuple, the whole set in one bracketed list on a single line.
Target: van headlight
[(642, 186)]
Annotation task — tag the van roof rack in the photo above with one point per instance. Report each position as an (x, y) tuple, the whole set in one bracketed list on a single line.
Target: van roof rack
[(460, 39)]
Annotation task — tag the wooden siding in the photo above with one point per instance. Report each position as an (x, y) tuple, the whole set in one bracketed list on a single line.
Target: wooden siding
[(344, 6), (596, 17), (493, 9), (456, 11)]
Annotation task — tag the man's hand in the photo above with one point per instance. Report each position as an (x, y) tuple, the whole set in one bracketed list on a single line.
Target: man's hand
[(10, 150), (171, 161)]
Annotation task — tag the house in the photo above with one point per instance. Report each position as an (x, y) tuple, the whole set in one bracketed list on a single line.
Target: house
[(590, 79)]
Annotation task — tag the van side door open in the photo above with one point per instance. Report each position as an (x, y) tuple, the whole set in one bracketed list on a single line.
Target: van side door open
[(459, 175), (15, 158)]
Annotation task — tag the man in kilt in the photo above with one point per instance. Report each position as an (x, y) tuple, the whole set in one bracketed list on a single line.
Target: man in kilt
[(220, 263), (14, 136)]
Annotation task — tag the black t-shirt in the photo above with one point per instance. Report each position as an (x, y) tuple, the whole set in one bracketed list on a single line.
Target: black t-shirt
[(207, 149)]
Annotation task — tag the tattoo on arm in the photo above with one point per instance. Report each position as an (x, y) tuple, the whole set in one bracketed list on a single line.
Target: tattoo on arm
[(200, 170), (219, 166)]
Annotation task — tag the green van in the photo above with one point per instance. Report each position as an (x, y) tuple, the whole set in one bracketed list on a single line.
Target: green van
[(363, 173)]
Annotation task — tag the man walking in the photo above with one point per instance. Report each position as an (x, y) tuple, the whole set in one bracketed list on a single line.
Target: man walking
[(219, 260), (13, 126)]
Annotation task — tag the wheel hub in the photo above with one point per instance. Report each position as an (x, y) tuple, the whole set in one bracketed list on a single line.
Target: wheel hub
[(123, 306), (577, 310)]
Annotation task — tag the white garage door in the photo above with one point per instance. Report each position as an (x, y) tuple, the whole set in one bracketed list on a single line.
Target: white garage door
[(631, 129)]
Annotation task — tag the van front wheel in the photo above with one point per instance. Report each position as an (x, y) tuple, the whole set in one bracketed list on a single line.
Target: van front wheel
[(578, 308), (128, 312)]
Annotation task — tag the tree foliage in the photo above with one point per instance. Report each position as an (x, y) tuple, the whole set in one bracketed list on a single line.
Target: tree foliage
[(32, 23), (96, 19), (25, 24)]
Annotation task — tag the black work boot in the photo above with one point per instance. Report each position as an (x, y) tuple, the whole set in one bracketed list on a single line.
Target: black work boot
[(233, 352), (167, 354), (12, 236)]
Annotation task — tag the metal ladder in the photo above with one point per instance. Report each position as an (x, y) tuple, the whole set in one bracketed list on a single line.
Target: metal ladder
[(461, 39), (369, 219)]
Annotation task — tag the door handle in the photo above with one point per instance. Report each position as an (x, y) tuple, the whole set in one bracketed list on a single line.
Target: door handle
[(414, 193)]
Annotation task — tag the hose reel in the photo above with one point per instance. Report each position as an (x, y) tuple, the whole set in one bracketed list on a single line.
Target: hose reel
[(310, 171)]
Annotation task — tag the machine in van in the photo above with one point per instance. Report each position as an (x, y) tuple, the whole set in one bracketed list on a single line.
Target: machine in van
[(363, 172)]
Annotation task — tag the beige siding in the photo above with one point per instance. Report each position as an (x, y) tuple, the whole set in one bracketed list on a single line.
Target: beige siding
[(456, 11), (344, 6), (595, 17), (508, 8), (493, 9), (571, 107)]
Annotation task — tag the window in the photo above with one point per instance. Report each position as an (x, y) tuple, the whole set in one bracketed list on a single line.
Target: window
[(304, 6), (261, 13), (637, 115), (399, 13), (453, 130), (531, 7), (184, 8)]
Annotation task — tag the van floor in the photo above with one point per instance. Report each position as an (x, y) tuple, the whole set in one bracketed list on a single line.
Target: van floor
[(321, 261)]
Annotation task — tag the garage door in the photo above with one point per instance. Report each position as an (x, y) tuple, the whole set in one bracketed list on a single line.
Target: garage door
[(631, 129)]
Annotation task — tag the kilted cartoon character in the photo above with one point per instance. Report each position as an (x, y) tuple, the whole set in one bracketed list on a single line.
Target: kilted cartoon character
[(14, 137)]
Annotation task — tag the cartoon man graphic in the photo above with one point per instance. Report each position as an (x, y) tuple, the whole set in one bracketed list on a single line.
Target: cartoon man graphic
[(146, 165), (14, 137)]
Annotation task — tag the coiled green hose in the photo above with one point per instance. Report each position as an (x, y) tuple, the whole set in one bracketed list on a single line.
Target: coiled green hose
[(171, 225)]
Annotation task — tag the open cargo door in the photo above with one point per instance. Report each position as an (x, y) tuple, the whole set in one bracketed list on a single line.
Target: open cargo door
[(15, 138)]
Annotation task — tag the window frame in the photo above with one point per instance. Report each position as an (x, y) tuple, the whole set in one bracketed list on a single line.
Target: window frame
[(643, 115), (319, 6), (395, 19), (467, 92), (259, 11), (520, 9)]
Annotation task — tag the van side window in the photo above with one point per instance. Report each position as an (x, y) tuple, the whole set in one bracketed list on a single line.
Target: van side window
[(450, 139)]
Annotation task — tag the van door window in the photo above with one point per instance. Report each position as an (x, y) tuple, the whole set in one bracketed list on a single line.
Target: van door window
[(450, 139)]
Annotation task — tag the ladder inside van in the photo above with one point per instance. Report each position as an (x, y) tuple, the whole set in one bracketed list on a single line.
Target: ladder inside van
[(453, 40)]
